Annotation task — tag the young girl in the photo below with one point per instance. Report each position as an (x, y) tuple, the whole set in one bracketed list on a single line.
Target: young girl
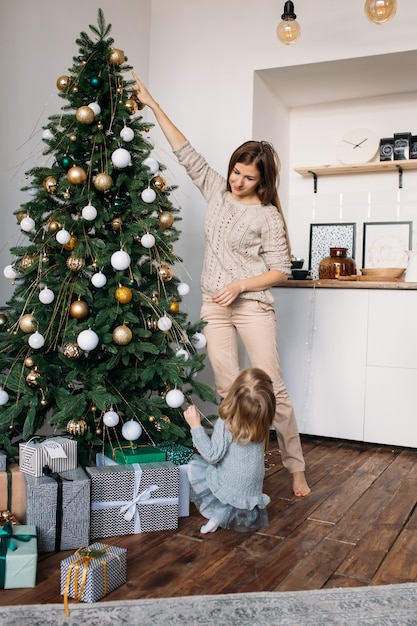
[(246, 254), (226, 480)]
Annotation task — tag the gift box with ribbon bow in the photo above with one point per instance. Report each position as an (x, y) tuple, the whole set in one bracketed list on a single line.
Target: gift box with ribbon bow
[(92, 573), (18, 556), (130, 499), (59, 453), (59, 506)]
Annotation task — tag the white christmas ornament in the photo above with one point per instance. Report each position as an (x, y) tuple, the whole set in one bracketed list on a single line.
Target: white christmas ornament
[(63, 236), (120, 260), (9, 272), (87, 340), (4, 397), (89, 212), (174, 398), (46, 295), (199, 341), (152, 164), (148, 240), (121, 158), (183, 289), (127, 134), (183, 354), (47, 134), (27, 224), (110, 418), (36, 340), (131, 430), (98, 279), (164, 323), (32, 191), (96, 108), (148, 195)]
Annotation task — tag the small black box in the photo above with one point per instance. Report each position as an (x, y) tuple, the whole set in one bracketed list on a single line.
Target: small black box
[(402, 146), (386, 149), (413, 147)]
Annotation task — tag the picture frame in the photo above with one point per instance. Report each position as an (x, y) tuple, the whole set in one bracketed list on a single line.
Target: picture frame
[(326, 236), (385, 244)]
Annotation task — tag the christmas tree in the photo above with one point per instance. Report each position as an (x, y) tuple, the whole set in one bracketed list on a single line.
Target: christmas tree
[(93, 340)]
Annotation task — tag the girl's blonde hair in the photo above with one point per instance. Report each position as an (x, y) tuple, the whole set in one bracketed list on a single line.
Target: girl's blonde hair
[(249, 407)]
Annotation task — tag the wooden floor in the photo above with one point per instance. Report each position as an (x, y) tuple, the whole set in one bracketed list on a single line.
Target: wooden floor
[(358, 527)]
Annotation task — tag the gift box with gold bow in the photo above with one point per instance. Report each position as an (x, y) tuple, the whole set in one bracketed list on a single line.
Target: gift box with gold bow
[(18, 556), (92, 572), (130, 499)]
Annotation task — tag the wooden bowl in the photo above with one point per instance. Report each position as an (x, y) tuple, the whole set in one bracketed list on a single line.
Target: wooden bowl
[(381, 273)]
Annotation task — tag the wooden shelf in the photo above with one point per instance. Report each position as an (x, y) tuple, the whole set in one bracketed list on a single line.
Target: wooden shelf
[(359, 168)]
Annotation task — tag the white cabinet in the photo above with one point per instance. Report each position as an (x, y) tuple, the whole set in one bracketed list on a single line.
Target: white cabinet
[(349, 359)]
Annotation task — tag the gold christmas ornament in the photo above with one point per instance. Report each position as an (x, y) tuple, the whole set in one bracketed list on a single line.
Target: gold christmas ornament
[(157, 426), (72, 351), (151, 418), (117, 56), (98, 431), (75, 263), (174, 307), (165, 273), (75, 89), (76, 175), (165, 219), (155, 297), (122, 335), (100, 126), (27, 261), (159, 183), (50, 184), (29, 362), (73, 137), (27, 323), (72, 243), (117, 224), (79, 309), (165, 418), (152, 324), (32, 378), (20, 216), (85, 115), (4, 320), (103, 182), (123, 295), (62, 82), (66, 195), (45, 258), (132, 106), (77, 428), (54, 226)]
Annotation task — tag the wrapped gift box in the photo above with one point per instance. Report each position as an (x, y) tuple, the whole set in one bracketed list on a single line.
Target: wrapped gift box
[(13, 491), (3, 461), (130, 499), (59, 453), (105, 571), (124, 453), (176, 453), (18, 566), (184, 485), (64, 528)]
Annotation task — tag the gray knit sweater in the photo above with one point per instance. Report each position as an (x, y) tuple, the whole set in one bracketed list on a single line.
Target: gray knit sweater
[(236, 471), (242, 240)]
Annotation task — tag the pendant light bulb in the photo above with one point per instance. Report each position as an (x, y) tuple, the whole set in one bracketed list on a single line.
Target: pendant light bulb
[(380, 11), (288, 30)]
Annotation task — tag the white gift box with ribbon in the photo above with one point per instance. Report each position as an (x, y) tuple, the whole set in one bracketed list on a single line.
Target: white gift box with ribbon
[(131, 499)]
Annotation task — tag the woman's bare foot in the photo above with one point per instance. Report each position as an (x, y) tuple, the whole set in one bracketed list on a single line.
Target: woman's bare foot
[(299, 485)]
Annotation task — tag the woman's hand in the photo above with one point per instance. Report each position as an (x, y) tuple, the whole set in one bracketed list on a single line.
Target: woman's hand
[(192, 416), (142, 93), (228, 294)]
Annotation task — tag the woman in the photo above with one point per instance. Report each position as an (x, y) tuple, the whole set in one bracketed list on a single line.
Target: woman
[(246, 253)]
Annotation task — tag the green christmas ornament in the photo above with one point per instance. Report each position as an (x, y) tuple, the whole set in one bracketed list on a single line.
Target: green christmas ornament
[(96, 82), (66, 162)]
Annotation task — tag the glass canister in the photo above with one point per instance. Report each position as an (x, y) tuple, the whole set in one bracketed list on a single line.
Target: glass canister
[(337, 264)]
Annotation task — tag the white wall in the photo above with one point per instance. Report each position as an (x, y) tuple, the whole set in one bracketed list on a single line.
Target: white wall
[(199, 59)]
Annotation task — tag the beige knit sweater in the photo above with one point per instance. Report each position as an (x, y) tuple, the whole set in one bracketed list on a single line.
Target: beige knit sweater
[(242, 240)]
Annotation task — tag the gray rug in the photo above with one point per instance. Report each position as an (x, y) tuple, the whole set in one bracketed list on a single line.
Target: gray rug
[(391, 605)]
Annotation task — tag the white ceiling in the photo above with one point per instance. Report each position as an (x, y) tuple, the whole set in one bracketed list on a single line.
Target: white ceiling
[(344, 79)]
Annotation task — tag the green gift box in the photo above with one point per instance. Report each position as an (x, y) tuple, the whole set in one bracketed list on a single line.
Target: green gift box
[(18, 556), (124, 453)]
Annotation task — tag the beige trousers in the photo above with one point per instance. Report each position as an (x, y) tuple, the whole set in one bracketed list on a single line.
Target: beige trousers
[(255, 323)]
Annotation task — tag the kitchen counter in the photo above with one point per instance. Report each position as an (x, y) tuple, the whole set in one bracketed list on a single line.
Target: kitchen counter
[(348, 282)]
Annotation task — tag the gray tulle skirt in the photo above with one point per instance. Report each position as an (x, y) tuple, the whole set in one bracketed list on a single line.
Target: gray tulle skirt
[(210, 507)]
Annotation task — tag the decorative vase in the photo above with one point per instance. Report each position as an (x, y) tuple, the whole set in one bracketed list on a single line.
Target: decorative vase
[(337, 264)]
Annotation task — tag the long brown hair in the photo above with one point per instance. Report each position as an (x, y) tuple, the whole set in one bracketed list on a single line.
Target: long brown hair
[(263, 155), (249, 407)]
